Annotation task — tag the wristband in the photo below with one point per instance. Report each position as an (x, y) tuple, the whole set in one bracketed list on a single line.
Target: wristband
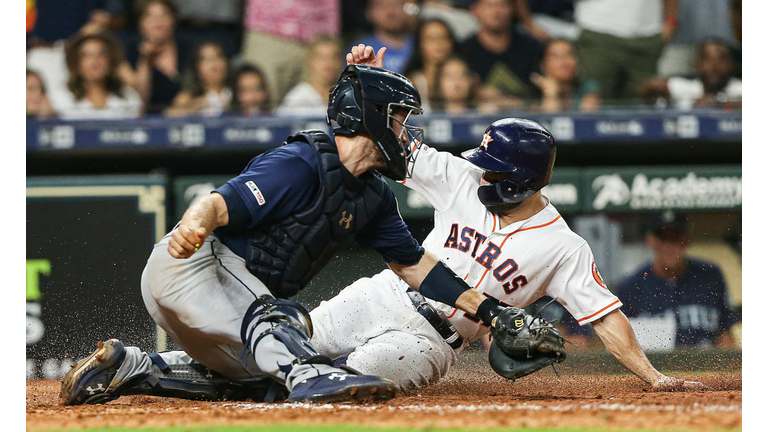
[(488, 310), (443, 285)]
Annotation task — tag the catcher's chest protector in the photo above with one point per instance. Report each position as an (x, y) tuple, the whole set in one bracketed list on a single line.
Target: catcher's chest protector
[(286, 255)]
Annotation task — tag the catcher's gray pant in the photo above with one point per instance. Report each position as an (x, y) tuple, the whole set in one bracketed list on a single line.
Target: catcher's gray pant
[(200, 302), (374, 323)]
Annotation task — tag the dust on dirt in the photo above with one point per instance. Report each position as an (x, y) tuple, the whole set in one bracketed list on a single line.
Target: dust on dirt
[(473, 399)]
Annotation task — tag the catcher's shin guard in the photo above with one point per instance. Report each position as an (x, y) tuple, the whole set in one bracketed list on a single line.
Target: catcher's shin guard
[(196, 382), (289, 322)]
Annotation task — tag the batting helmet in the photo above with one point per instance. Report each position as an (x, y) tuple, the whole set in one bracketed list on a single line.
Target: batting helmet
[(522, 148), (364, 101)]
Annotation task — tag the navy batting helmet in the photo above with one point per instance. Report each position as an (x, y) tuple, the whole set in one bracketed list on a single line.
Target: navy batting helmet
[(364, 101), (522, 148)]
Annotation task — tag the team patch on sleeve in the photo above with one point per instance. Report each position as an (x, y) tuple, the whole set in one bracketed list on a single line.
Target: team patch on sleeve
[(256, 192), (598, 277)]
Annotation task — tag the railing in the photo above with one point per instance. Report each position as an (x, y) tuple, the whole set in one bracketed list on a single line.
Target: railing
[(261, 133)]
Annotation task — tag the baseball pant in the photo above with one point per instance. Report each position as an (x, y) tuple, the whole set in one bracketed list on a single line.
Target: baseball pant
[(200, 302), (375, 325)]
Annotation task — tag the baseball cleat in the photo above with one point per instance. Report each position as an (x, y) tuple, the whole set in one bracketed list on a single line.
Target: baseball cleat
[(343, 387), (88, 380)]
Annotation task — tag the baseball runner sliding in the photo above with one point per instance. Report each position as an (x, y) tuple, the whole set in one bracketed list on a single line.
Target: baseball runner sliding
[(493, 227)]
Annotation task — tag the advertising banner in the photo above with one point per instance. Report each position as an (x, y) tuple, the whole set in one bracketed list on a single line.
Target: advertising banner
[(637, 189)]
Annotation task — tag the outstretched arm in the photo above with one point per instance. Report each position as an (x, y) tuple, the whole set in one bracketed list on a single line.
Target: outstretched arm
[(619, 338)]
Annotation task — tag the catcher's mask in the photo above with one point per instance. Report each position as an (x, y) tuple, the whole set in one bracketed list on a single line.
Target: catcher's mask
[(366, 101)]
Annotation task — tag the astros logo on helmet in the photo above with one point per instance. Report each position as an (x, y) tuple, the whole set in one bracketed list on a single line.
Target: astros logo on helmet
[(486, 139)]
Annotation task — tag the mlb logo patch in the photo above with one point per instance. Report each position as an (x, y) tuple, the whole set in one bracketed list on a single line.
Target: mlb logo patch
[(256, 192)]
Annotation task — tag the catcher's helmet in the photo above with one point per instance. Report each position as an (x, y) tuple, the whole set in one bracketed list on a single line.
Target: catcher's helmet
[(364, 101), (522, 148)]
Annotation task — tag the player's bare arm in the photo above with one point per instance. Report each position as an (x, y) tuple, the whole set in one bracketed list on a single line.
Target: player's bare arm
[(200, 219), (619, 338)]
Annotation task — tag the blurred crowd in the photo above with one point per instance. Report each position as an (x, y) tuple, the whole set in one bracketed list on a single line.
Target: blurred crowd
[(100, 59)]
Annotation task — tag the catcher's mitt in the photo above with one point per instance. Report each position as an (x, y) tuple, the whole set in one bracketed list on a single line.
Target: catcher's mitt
[(523, 344)]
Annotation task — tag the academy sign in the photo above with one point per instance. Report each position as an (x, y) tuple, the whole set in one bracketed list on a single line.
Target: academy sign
[(661, 188)]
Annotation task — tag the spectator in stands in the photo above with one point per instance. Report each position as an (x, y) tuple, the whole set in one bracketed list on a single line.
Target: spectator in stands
[(55, 21), (455, 90), (673, 285), (621, 41), (452, 12), (434, 43), (277, 33), (393, 27), (561, 89), (38, 106), (206, 89), (219, 20), (323, 65), (698, 21), (714, 83), (95, 89), (159, 56), (251, 95), (500, 55)]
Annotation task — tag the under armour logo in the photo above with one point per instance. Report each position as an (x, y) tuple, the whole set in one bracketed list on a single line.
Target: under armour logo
[(208, 374), (346, 219), (92, 391), (341, 377), (486, 139)]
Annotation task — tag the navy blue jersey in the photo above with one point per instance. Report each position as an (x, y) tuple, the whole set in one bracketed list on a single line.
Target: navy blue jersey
[(284, 180), (698, 300)]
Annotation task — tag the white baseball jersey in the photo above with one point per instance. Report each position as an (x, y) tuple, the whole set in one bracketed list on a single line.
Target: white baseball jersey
[(516, 264)]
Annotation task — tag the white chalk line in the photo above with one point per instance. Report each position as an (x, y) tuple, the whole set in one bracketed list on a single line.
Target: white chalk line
[(695, 408)]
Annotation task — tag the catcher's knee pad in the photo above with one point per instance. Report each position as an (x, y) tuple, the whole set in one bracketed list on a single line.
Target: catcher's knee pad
[(287, 321)]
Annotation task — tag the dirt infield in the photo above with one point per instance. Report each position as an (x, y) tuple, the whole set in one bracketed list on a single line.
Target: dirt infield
[(467, 398)]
